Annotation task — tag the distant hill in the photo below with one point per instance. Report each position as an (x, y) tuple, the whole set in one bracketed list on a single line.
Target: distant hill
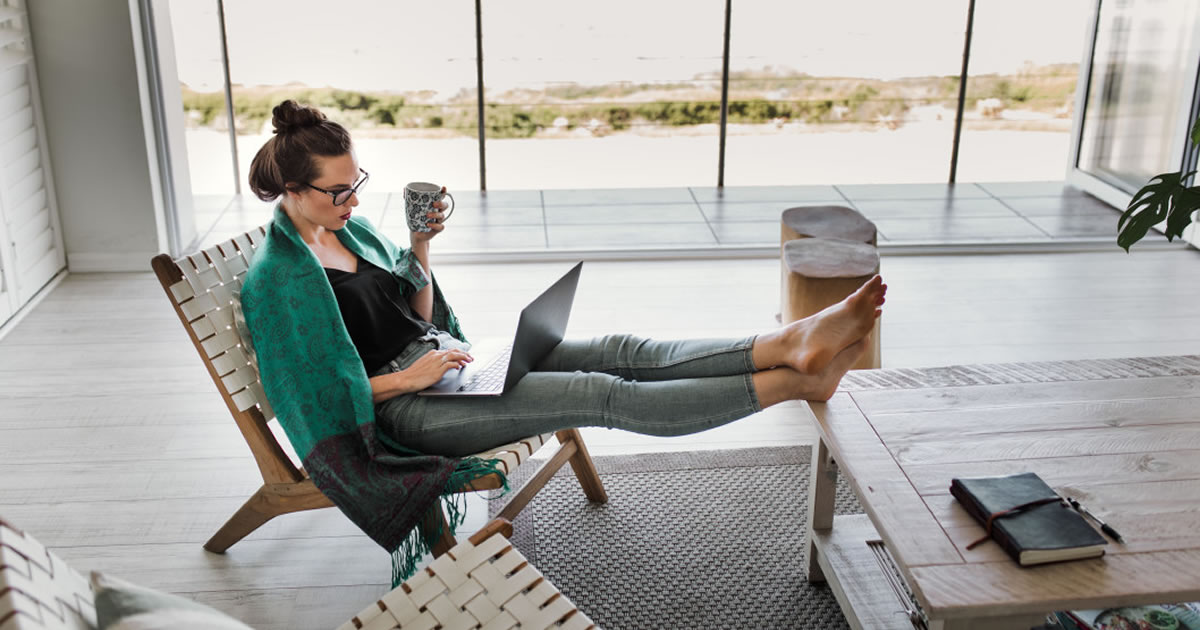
[(755, 98)]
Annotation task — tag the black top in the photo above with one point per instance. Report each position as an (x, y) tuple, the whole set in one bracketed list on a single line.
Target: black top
[(376, 312)]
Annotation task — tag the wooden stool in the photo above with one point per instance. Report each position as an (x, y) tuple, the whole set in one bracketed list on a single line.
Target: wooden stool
[(820, 272), (826, 222)]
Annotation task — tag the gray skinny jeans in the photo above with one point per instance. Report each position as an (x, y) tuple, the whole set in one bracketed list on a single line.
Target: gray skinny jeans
[(663, 388)]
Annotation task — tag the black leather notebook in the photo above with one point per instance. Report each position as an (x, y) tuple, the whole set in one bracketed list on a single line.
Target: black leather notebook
[(1050, 532)]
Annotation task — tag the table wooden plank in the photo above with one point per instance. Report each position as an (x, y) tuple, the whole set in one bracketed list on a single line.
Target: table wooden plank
[(881, 401), (1143, 528), (908, 528), (1149, 516), (1119, 468), (1031, 445), (856, 578), (1005, 588), (1042, 417)]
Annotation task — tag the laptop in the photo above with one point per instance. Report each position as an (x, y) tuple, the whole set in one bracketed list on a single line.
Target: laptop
[(539, 330)]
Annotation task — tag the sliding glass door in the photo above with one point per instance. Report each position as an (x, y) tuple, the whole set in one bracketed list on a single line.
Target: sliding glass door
[(1139, 97)]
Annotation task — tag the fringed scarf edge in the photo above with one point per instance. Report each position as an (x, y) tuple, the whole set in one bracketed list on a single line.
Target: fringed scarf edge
[(453, 504)]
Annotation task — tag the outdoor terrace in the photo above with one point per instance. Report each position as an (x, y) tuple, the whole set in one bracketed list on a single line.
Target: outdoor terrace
[(736, 221)]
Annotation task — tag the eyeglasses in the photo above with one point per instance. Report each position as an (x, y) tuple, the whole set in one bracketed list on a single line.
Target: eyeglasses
[(342, 196)]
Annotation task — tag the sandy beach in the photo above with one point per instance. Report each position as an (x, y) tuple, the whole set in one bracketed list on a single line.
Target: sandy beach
[(915, 152)]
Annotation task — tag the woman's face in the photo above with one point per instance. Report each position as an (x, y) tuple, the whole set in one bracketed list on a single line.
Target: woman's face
[(336, 174)]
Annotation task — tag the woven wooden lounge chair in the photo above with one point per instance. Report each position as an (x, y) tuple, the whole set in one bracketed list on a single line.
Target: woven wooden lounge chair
[(38, 589), (201, 288), (481, 582)]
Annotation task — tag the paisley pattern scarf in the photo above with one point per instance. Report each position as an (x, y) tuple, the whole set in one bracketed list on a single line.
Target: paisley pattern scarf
[(319, 389)]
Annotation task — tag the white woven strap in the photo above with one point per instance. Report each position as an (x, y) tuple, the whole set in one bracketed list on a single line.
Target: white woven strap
[(38, 589), (490, 586), (512, 455), (206, 295)]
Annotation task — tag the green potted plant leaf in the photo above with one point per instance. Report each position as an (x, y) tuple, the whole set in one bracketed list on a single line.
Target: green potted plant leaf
[(1165, 197)]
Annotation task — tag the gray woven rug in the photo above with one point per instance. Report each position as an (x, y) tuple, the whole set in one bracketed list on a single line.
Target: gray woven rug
[(708, 539)]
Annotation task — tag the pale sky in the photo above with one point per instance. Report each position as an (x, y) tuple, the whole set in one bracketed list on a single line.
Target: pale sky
[(408, 46)]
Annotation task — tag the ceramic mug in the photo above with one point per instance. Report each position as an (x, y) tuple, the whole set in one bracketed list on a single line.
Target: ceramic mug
[(418, 202)]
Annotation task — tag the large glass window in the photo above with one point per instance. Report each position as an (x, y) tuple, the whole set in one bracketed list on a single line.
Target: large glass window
[(623, 94), (842, 92), (1021, 89), (1139, 90), (629, 95), (197, 40), (400, 75)]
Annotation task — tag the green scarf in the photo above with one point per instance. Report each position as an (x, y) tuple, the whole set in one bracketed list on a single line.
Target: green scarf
[(319, 389)]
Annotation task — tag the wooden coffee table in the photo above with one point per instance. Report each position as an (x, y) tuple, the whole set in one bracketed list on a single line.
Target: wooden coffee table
[(1125, 443)]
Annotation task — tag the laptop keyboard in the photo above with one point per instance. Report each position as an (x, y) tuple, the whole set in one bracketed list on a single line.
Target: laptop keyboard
[(492, 376)]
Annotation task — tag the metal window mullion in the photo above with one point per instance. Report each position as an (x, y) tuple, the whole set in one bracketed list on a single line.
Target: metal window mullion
[(479, 91), (962, 92), (724, 97), (228, 85)]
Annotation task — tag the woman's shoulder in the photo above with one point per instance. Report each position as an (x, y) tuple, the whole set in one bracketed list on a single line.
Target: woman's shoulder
[(273, 263)]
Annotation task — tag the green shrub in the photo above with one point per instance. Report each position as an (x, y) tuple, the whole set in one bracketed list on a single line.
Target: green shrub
[(618, 118), (811, 99)]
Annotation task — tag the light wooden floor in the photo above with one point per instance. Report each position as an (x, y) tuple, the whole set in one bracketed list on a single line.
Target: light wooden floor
[(116, 451)]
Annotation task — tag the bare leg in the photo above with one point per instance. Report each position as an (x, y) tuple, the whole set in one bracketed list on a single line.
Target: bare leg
[(783, 383), (810, 344)]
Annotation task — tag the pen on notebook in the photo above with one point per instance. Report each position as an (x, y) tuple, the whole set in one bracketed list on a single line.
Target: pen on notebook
[(1104, 527)]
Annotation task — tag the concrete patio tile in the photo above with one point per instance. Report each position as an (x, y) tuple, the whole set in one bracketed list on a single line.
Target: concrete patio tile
[(756, 210), (746, 232), (605, 196), (625, 213), (868, 192), (923, 208), (1030, 189), (491, 216), (630, 236), (1074, 226), (786, 194), (482, 239), (1061, 206), (957, 229), (493, 198)]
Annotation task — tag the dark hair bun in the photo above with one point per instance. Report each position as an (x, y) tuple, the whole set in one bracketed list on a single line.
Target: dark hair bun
[(289, 116)]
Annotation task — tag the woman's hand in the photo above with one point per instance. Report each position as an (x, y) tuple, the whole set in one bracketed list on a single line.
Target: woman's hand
[(435, 223), (432, 366)]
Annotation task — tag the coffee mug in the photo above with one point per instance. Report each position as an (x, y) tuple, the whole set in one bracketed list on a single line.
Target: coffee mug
[(418, 203)]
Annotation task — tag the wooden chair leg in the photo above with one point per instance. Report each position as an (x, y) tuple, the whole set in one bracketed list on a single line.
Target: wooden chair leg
[(525, 494), (585, 469), (265, 504), (436, 521)]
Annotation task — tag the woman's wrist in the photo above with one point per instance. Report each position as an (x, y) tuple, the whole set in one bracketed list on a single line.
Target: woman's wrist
[(389, 386), (416, 241)]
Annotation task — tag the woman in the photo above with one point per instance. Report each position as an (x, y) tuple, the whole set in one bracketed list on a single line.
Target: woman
[(347, 327)]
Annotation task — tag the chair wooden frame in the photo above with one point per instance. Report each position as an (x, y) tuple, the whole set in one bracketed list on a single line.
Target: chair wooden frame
[(201, 289), (483, 582)]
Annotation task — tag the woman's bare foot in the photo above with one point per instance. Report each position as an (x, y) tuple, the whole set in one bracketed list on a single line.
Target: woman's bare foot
[(777, 385), (825, 383), (811, 343)]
